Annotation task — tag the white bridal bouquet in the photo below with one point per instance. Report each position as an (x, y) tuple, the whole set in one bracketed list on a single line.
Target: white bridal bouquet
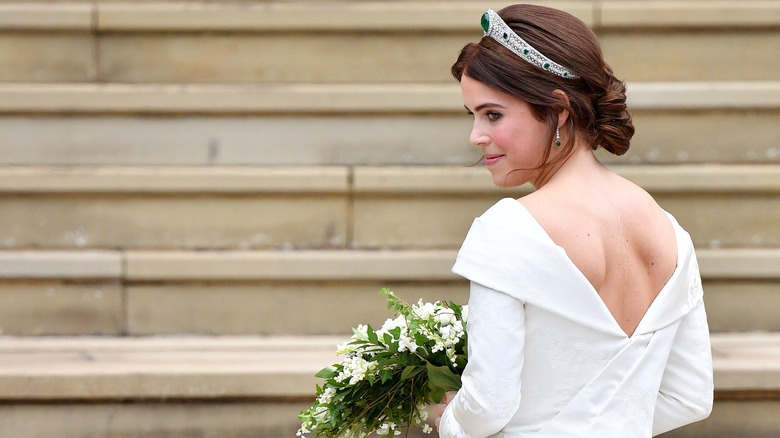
[(388, 376)]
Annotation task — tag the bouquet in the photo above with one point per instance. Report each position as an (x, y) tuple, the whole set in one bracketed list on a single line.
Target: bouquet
[(388, 376)]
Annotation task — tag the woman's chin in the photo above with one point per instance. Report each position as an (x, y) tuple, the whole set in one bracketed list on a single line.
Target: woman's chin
[(505, 181)]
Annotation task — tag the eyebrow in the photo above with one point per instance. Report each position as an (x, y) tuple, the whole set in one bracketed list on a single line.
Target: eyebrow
[(485, 105)]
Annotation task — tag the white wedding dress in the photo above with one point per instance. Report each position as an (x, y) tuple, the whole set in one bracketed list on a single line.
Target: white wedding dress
[(548, 359)]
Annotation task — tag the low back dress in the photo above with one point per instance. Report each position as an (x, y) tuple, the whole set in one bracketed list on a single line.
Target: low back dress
[(548, 359)]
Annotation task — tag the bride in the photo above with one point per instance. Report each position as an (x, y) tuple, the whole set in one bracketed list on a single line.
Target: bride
[(586, 312)]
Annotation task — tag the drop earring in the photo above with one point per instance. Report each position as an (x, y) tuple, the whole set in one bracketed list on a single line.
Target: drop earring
[(557, 138)]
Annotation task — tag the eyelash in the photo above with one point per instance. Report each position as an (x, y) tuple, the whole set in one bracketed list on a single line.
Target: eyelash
[(491, 116)]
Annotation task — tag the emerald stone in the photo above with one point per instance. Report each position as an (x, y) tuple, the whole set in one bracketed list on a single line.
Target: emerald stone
[(506, 36), (525, 51), (546, 65), (485, 22)]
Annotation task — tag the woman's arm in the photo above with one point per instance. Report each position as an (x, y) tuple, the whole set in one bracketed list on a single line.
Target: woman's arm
[(490, 394), (686, 388)]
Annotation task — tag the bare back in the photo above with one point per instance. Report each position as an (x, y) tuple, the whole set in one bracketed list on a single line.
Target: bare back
[(619, 238)]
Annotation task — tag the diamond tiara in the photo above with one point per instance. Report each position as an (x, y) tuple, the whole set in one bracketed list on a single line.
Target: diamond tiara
[(494, 27)]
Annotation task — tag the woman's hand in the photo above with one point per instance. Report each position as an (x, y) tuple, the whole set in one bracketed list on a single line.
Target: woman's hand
[(438, 409)]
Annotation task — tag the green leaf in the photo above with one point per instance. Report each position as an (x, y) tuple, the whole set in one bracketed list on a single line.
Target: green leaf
[(411, 371), (442, 378), (326, 373), (371, 335), (359, 334)]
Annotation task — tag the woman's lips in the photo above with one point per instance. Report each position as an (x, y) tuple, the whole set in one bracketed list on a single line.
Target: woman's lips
[(492, 159)]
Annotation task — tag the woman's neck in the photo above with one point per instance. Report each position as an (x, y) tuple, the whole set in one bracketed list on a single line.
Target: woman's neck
[(577, 166)]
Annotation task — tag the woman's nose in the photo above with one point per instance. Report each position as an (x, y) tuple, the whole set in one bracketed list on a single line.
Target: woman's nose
[(477, 136)]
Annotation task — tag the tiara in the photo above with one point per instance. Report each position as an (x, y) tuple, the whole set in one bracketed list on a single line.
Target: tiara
[(494, 27)]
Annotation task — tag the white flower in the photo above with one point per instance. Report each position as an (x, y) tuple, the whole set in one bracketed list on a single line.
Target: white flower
[(327, 395), (363, 330), (426, 310), (355, 369), (423, 412), (390, 324), (387, 428), (383, 429), (427, 428), (406, 343), (345, 348), (445, 317), (464, 312)]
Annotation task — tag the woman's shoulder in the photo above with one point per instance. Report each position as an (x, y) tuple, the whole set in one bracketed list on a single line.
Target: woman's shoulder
[(509, 219)]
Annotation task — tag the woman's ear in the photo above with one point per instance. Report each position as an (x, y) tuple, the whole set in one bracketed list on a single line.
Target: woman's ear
[(563, 113)]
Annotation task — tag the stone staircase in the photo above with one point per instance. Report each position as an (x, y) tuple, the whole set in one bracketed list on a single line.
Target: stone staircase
[(200, 199)]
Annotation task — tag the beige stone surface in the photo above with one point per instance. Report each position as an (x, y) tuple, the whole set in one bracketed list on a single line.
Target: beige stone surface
[(60, 265), (161, 368), (167, 180), (46, 16), (739, 306), (475, 180), (205, 419), (250, 419), (746, 361), (298, 265), (228, 99), (310, 16), (52, 308), (302, 308), (46, 57), (443, 220), (713, 136), (416, 221), (193, 221), (689, 13), (735, 418), (727, 219), (229, 140), (264, 367), (407, 57), (289, 57), (682, 55), (343, 98), (704, 136), (739, 263)]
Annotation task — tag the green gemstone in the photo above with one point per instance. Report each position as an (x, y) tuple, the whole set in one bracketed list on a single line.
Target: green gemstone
[(525, 51), (558, 143), (506, 36), (485, 22), (546, 65)]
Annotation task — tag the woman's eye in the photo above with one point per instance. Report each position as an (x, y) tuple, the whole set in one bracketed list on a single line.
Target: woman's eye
[(493, 116)]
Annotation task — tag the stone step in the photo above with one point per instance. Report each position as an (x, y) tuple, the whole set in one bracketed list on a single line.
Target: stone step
[(137, 292), (348, 124), (171, 386), (409, 41), (336, 207)]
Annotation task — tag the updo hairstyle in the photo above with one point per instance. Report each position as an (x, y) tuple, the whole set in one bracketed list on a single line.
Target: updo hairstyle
[(597, 100)]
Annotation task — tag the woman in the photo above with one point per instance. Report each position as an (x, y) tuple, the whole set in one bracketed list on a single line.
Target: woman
[(586, 312)]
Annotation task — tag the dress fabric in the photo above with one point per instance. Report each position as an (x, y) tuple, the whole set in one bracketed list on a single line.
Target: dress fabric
[(548, 359)]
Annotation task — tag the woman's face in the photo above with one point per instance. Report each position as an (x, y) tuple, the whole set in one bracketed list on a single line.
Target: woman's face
[(511, 139)]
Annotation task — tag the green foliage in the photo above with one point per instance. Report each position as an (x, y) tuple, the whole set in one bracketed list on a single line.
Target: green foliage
[(388, 375)]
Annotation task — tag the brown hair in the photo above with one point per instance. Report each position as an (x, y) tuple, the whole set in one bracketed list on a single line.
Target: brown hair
[(597, 100)]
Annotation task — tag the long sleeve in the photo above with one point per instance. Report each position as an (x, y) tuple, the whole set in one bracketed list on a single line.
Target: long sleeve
[(490, 394), (686, 390)]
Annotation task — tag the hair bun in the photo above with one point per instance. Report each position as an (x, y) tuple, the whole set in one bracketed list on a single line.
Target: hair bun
[(614, 127)]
